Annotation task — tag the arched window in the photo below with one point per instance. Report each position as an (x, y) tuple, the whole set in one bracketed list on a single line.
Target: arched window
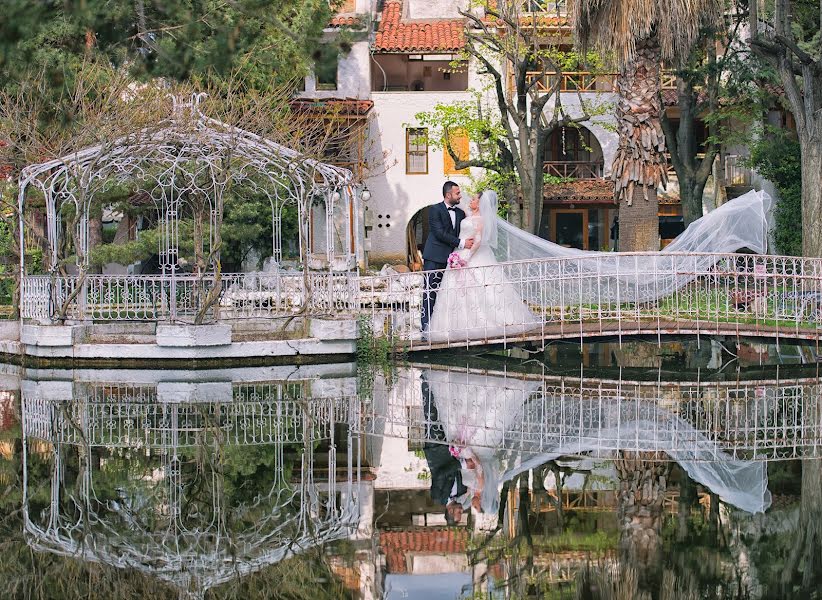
[(573, 152)]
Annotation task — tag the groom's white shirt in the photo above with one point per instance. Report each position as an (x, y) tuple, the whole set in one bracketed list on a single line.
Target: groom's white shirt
[(452, 214)]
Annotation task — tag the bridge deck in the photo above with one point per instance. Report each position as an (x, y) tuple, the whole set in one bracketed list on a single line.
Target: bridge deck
[(591, 329)]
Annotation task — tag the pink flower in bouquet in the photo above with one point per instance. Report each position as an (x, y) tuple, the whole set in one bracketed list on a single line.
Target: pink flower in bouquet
[(455, 261), (454, 451)]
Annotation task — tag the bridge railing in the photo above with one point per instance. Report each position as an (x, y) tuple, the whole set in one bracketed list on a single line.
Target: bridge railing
[(135, 416), (603, 294), (179, 297)]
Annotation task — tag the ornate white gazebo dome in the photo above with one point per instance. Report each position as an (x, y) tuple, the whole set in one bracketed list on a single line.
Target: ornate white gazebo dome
[(169, 520), (189, 166)]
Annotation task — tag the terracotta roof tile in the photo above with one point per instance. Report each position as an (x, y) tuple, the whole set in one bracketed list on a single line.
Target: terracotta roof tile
[(526, 19), (539, 21), (583, 191), (396, 544), (670, 97), (347, 21), (345, 106), (429, 35)]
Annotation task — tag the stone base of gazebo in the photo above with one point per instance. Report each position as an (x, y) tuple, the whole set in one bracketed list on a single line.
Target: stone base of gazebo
[(144, 343)]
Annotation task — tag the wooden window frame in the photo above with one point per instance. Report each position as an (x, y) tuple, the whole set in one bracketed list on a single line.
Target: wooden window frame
[(583, 211), (409, 153)]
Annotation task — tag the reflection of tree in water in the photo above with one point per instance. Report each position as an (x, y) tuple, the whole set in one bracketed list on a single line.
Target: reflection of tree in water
[(803, 569), (643, 480), (660, 552)]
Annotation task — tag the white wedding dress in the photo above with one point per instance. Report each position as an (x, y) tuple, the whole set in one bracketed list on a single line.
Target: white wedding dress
[(476, 302)]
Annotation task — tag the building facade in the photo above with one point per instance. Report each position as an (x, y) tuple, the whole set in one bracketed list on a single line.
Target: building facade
[(399, 57)]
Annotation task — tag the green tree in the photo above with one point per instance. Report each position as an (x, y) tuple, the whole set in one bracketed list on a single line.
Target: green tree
[(787, 35), (776, 156), (717, 85), (261, 42), (247, 229), (481, 125)]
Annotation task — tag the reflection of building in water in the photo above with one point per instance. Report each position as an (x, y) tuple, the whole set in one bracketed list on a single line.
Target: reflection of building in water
[(417, 552), (193, 483)]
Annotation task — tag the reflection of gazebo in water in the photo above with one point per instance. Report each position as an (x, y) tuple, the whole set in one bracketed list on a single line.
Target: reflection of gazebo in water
[(141, 501), (188, 167)]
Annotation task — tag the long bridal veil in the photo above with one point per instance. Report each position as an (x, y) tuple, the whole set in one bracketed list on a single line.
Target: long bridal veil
[(515, 424), (583, 277)]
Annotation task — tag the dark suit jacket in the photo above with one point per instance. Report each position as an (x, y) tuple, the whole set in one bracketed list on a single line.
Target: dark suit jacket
[(445, 469), (442, 236)]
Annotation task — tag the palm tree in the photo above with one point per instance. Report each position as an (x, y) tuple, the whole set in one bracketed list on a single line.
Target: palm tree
[(643, 480), (640, 35)]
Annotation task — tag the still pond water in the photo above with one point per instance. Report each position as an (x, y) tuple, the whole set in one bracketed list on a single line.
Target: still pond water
[(682, 471)]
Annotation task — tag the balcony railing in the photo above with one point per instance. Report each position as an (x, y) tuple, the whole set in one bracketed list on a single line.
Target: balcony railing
[(550, 7), (574, 169), (735, 172), (585, 81)]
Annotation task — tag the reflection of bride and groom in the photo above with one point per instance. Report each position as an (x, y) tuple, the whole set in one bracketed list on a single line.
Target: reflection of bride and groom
[(482, 430)]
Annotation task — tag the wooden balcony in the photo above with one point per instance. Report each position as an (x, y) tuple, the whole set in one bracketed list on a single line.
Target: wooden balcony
[(574, 169), (585, 81)]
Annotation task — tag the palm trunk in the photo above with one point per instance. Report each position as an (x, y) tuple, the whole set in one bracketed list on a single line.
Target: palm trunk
[(639, 164), (643, 478)]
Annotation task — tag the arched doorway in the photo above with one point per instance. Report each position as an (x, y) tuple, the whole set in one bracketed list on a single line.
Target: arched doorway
[(573, 152), (579, 208), (415, 235)]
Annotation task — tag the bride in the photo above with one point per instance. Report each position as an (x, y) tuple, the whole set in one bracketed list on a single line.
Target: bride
[(474, 300)]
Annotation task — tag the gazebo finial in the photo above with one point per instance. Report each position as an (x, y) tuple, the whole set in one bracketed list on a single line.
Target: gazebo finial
[(193, 104)]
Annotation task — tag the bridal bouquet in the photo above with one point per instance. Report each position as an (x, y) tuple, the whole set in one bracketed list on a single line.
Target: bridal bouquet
[(455, 261)]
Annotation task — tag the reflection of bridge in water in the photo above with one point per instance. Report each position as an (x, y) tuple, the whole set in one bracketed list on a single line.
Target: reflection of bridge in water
[(699, 421), (524, 413), (127, 453)]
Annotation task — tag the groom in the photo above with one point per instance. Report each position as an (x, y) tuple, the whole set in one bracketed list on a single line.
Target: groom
[(444, 220), (447, 488)]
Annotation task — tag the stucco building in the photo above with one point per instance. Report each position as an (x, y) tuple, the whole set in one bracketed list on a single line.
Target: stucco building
[(397, 58)]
